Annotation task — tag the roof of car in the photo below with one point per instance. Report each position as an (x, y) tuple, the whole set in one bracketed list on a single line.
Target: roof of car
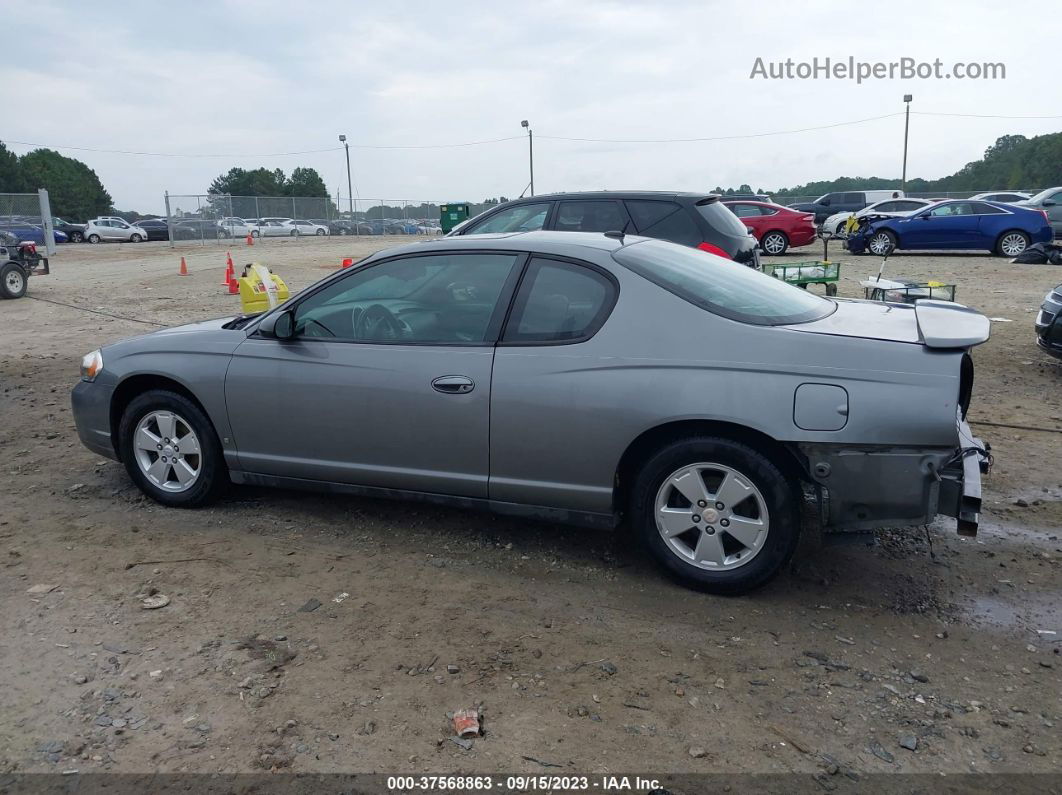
[(613, 194), (543, 241)]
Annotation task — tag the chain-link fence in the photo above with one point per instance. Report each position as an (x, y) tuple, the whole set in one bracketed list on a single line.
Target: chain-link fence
[(28, 216), (961, 194), (221, 218)]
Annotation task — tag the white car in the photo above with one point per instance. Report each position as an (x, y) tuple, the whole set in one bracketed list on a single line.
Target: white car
[(239, 227), (99, 230), (274, 227), (836, 222), (302, 227), (1003, 196)]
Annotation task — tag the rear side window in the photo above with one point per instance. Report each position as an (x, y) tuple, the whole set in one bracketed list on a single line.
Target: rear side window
[(522, 218), (722, 220), (980, 208), (559, 302), (854, 198), (720, 286), (590, 216), (665, 220), (744, 210)]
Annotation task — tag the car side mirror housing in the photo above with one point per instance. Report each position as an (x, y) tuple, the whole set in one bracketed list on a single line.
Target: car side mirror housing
[(279, 325), (1049, 203)]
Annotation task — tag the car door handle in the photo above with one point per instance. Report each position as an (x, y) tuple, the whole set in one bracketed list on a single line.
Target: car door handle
[(453, 384)]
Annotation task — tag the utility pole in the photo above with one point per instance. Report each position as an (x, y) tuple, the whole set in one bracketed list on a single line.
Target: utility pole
[(530, 153), (350, 190), (906, 126)]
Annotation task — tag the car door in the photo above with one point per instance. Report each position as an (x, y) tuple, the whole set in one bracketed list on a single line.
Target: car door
[(111, 230), (544, 393), (947, 225), (1054, 211), (387, 380)]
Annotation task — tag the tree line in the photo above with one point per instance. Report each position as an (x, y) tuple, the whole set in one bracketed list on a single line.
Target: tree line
[(74, 190)]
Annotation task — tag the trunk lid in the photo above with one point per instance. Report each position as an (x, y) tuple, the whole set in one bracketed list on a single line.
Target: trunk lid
[(935, 324)]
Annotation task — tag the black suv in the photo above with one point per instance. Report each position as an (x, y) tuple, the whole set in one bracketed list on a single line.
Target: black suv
[(692, 219), (1049, 323)]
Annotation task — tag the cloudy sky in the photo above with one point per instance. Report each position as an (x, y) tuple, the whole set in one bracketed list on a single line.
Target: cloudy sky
[(247, 79)]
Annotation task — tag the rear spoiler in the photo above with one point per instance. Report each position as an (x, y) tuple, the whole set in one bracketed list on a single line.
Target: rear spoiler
[(943, 324), (711, 198)]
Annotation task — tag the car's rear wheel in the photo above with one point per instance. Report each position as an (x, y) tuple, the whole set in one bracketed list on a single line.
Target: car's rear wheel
[(320, 232), (76, 237), (344, 231), (93, 238), (12, 280), (882, 242), (716, 514), (1012, 243), (255, 233), (171, 451), (774, 243)]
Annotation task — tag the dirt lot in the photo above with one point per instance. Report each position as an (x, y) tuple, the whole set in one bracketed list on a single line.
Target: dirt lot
[(881, 655)]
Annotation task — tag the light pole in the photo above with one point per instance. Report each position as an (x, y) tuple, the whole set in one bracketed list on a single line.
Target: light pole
[(906, 125), (350, 191), (530, 153)]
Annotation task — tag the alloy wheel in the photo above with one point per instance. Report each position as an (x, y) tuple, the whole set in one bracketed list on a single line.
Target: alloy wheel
[(167, 451), (880, 244), (1013, 244), (711, 516), (774, 243)]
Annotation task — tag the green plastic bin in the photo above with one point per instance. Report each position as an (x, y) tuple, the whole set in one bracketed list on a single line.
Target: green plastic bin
[(450, 215)]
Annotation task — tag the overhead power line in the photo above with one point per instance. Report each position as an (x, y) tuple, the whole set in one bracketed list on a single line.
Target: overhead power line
[(702, 139)]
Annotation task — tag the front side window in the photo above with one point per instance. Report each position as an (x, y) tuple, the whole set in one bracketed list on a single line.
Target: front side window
[(721, 287), (522, 218), (590, 216), (436, 299), (951, 209), (559, 302)]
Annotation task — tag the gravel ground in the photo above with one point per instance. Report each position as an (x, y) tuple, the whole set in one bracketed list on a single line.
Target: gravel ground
[(903, 651)]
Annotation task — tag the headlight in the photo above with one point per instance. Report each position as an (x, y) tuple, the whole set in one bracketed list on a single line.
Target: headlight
[(91, 365)]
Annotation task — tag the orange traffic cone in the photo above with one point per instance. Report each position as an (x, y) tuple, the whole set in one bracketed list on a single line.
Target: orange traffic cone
[(184, 268), (228, 271), (234, 286), (347, 262), (250, 239)]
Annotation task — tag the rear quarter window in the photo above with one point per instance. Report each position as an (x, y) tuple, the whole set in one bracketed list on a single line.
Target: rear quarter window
[(722, 287)]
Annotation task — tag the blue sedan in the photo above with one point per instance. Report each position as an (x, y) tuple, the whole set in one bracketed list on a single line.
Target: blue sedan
[(1004, 229), (30, 232)]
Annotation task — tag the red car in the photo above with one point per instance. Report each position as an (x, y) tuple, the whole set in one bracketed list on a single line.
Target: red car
[(775, 227)]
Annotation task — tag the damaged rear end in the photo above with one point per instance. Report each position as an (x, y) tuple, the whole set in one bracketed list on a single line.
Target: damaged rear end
[(870, 482)]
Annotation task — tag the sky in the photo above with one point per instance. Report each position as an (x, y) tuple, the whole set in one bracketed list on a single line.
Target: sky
[(250, 80)]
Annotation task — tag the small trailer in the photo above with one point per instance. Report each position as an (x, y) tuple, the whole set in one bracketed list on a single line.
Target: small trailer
[(18, 261)]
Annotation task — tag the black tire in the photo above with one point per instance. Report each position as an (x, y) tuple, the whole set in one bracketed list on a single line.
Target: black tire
[(781, 497), (1009, 234), (887, 240), (93, 238), (320, 232), (255, 233), (76, 237), (13, 281), (777, 240), (831, 289), (294, 232), (136, 238), (213, 476), (344, 231)]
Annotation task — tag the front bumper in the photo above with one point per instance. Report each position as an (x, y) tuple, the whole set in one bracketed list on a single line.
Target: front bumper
[(864, 488), (91, 404)]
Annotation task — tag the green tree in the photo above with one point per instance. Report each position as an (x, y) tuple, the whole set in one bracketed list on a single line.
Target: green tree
[(306, 182), (11, 177), (257, 182), (74, 189)]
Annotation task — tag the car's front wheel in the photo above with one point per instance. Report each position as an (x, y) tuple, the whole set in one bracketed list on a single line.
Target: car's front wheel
[(171, 451), (76, 237), (320, 232), (255, 233), (882, 242), (716, 514), (135, 239), (1011, 244), (775, 243)]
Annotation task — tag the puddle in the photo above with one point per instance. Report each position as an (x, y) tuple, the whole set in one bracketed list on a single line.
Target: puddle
[(1026, 611)]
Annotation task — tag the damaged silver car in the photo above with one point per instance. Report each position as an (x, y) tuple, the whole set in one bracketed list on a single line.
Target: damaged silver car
[(570, 377)]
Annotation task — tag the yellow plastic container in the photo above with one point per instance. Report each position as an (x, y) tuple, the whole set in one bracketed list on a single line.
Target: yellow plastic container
[(260, 289)]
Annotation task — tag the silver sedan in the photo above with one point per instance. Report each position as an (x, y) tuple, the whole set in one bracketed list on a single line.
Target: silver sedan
[(572, 377)]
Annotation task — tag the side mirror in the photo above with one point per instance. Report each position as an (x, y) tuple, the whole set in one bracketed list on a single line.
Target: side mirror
[(279, 325), (1049, 203)]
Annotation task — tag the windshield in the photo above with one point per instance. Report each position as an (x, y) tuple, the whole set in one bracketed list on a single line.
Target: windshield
[(722, 286)]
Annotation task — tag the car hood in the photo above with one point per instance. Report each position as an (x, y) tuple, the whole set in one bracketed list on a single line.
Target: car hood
[(935, 324), (193, 328)]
